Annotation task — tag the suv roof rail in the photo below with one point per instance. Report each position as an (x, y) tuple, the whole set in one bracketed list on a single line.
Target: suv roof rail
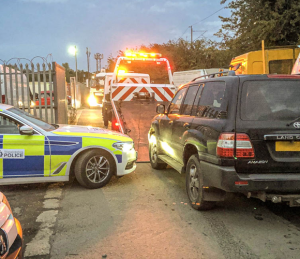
[(213, 75)]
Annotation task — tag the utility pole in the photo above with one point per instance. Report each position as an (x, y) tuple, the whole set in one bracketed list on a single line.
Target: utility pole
[(191, 34), (98, 58), (88, 54), (76, 63)]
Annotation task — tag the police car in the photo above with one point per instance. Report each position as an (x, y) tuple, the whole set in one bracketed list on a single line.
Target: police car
[(33, 151)]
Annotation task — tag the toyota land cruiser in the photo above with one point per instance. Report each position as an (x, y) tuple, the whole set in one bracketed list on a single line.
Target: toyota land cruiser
[(232, 134)]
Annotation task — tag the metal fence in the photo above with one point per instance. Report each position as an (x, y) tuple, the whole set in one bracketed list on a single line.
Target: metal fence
[(37, 89)]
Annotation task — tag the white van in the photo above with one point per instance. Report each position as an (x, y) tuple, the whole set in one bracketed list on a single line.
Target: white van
[(183, 77), (12, 86), (101, 86)]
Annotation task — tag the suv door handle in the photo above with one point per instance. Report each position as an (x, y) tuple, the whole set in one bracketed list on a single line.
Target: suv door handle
[(170, 122), (187, 125)]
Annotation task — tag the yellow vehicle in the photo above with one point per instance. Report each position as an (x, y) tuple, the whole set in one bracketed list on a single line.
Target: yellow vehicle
[(274, 61)]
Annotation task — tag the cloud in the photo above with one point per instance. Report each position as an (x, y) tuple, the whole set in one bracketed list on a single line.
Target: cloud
[(91, 5), (175, 32), (178, 4), (157, 9), (214, 23), (44, 1)]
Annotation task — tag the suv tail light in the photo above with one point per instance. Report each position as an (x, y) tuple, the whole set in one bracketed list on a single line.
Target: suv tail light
[(226, 145)]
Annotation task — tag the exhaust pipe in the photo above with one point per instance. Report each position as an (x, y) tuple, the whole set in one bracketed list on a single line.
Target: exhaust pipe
[(276, 199)]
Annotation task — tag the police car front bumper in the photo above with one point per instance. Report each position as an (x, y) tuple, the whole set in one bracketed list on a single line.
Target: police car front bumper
[(128, 164)]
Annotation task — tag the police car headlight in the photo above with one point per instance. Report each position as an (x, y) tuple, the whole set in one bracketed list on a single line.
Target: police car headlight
[(124, 146), (3, 243)]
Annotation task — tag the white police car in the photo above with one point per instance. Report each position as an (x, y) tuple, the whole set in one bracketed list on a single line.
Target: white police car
[(32, 151)]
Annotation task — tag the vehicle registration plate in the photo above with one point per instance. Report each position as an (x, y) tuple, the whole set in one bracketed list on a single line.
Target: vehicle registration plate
[(287, 146)]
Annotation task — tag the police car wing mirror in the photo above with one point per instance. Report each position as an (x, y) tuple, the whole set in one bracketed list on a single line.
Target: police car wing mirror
[(160, 109), (26, 130)]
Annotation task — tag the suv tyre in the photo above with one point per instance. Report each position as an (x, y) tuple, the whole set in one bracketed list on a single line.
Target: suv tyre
[(156, 163), (194, 184)]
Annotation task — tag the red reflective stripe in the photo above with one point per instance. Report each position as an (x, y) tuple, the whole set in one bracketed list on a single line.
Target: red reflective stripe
[(122, 80), (241, 183), (118, 90), (159, 94), (129, 91), (144, 81), (169, 91), (144, 90), (133, 80)]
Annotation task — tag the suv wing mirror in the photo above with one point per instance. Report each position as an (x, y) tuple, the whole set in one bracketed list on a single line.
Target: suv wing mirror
[(26, 130), (160, 109)]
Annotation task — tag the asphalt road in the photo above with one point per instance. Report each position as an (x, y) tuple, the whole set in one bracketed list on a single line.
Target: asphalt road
[(146, 215), (90, 117)]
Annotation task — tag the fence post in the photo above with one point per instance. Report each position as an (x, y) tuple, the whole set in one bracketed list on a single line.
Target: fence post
[(60, 100)]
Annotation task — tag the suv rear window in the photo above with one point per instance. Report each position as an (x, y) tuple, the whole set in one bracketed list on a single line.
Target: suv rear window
[(270, 100)]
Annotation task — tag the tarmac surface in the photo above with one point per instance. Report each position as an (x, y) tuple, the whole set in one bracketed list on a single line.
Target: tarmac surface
[(146, 215)]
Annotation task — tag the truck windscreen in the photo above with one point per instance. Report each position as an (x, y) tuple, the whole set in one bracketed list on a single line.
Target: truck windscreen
[(157, 70)]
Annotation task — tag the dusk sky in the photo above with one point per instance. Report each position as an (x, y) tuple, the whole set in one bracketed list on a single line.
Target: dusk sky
[(32, 28)]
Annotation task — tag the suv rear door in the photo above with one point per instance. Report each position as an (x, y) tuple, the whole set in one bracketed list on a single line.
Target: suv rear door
[(211, 114), (267, 107)]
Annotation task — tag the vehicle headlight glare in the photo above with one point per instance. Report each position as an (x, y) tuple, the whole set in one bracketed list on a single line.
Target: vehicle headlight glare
[(92, 100), (124, 146)]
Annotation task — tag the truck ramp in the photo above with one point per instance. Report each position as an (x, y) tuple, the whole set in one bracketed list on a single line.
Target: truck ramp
[(136, 117)]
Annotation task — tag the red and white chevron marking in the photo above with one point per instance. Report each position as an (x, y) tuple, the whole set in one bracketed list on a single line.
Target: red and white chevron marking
[(125, 93)]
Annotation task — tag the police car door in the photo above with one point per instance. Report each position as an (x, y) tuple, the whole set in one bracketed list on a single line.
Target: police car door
[(21, 155)]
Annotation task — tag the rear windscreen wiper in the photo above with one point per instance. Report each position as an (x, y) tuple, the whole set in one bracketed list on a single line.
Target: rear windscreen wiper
[(289, 124)]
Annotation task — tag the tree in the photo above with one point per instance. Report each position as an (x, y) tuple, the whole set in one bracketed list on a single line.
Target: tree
[(182, 55), (276, 22), (69, 72)]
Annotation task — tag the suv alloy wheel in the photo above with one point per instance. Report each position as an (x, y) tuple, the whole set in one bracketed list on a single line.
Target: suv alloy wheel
[(194, 185)]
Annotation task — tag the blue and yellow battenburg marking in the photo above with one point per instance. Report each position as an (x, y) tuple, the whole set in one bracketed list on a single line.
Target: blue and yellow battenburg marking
[(45, 156)]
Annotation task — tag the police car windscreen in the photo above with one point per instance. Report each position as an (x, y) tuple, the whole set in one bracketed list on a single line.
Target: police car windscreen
[(38, 122), (270, 100)]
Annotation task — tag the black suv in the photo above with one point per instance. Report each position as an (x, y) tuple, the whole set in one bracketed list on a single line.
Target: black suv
[(232, 134)]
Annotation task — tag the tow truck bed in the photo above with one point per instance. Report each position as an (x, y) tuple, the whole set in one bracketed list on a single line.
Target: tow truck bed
[(136, 117)]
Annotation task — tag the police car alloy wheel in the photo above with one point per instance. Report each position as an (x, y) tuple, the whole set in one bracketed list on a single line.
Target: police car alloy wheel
[(94, 168), (97, 169), (194, 185)]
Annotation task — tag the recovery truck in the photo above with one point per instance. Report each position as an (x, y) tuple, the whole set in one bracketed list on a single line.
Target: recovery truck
[(131, 106), (100, 85)]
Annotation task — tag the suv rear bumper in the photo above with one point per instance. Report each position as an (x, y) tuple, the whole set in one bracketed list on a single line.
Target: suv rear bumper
[(225, 178)]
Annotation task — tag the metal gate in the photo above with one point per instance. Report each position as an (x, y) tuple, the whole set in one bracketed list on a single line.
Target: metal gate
[(37, 89)]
